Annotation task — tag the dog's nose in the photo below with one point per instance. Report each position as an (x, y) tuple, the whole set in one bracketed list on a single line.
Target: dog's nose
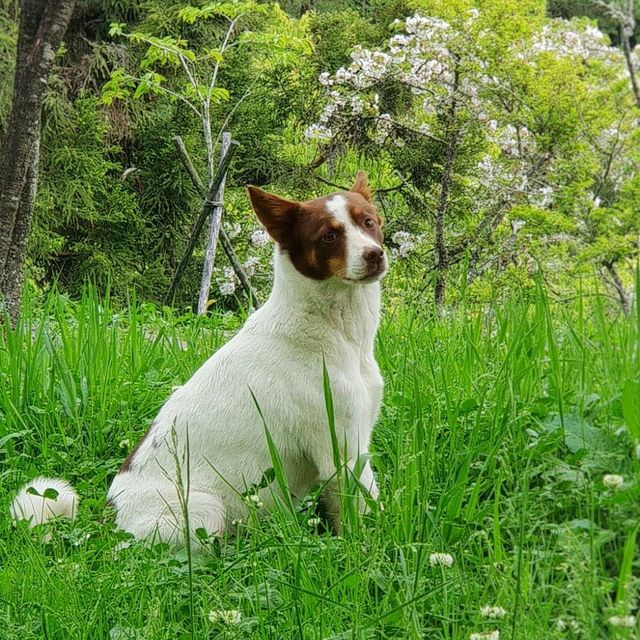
[(373, 259), (373, 256)]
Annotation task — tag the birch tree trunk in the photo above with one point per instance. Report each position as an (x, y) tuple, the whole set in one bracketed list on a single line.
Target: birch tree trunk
[(42, 27), (214, 231)]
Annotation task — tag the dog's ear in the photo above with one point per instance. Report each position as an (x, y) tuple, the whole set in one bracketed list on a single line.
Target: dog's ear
[(277, 214), (361, 186)]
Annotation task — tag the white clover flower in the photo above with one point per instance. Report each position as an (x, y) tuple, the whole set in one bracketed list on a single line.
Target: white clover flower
[(313, 522), (625, 622), (225, 616), (124, 444), (441, 559), (229, 274), (259, 238), (227, 288), (612, 481), (486, 635), (560, 625), (236, 522), (493, 613)]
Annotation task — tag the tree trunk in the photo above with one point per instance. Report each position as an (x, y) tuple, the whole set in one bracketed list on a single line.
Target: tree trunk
[(626, 48), (12, 278), (616, 281), (42, 27), (443, 200)]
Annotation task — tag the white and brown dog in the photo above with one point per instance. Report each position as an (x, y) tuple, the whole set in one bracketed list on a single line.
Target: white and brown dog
[(324, 307)]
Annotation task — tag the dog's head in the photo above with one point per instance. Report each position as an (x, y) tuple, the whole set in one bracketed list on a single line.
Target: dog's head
[(338, 236)]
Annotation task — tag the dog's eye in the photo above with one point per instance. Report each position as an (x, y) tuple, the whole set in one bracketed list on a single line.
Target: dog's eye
[(369, 223), (330, 236)]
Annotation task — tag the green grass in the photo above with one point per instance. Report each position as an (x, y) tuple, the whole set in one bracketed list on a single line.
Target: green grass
[(496, 430)]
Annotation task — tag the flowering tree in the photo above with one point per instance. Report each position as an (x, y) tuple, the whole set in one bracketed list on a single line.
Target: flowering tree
[(475, 129)]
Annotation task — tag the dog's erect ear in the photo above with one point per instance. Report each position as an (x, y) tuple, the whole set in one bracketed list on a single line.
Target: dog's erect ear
[(361, 186), (276, 214)]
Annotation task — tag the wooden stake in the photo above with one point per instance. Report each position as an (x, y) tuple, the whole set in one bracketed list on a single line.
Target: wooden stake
[(214, 229), (224, 238), (207, 208)]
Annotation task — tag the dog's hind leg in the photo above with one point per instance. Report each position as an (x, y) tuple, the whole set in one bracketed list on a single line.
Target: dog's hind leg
[(159, 516)]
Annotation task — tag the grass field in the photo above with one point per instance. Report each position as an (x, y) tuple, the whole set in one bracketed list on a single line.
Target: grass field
[(497, 429)]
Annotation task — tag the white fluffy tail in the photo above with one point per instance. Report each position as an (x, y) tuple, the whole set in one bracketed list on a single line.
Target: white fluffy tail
[(43, 499)]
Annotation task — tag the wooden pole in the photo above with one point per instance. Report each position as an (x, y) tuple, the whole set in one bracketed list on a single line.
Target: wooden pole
[(207, 208), (224, 238), (214, 230)]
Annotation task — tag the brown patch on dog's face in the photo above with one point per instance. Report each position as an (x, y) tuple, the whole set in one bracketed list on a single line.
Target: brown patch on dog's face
[(314, 238), (364, 215), (317, 243)]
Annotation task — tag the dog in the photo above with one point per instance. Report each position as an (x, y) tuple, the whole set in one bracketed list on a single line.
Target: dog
[(208, 444)]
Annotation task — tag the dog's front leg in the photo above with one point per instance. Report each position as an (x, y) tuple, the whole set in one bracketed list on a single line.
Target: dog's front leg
[(330, 500)]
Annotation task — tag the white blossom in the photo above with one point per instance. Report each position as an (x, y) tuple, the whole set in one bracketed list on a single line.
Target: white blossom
[(227, 288), (441, 559), (561, 625), (234, 230), (625, 622), (259, 238), (612, 481), (325, 79), (250, 264), (401, 236), (225, 616), (492, 612), (405, 249), (517, 224), (486, 635), (318, 132), (543, 197)]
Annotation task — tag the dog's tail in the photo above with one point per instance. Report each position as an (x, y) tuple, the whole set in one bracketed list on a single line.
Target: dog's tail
[(43, 499)]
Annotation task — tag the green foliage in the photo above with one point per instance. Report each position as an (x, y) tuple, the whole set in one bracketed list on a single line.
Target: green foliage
[(148, 77), (87, 218), (497, 428)]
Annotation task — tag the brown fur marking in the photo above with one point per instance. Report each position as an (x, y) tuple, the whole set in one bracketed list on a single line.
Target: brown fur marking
[(127, 465), (301, 228)]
